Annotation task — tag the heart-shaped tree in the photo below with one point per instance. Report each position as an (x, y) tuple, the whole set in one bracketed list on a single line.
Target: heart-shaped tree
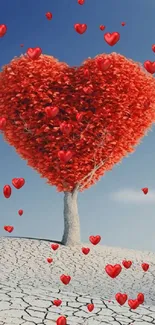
[(74, 124)]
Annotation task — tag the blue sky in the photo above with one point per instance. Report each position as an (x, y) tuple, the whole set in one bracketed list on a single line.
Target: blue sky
[(115, 207)]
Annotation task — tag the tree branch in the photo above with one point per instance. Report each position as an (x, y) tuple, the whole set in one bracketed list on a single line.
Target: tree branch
[(90, 175), (25, 127)]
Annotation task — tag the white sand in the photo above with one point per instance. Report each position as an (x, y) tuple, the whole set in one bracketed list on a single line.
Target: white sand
[(28, 284)]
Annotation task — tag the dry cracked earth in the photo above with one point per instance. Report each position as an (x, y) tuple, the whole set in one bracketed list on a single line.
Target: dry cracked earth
[(28, 284)]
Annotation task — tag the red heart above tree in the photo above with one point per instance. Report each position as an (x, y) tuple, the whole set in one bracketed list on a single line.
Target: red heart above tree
[(108, 112)]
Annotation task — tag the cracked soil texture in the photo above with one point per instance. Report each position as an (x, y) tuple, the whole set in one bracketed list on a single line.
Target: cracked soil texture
[(28, 284)]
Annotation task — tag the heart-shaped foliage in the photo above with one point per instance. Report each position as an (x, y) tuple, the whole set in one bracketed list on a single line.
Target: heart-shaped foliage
[(73, 124)]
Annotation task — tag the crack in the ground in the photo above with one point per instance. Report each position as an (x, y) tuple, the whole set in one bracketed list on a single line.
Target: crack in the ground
[(29, 285)]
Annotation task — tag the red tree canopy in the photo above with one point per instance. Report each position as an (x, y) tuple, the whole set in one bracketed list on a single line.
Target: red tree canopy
[(74, 124)]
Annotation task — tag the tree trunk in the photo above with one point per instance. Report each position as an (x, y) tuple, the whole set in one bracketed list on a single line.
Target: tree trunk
[(71, 235)]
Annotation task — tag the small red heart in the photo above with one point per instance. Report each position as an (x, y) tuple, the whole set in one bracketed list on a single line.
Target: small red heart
[(51, 111), (65, 156), (49, 260), (145, 266), (20, 212), (103, 64), (34, 53), (149, 66), (140, 298), (61, 321), (145, 190), (65, 279), (81, 2), (21, 45), (153, 47), (123, 23), (2, 123), (54, 246), (57, 302), (121, 298), (18, 182), (102, 27), (3, 30), (80, 28), (85, 250), (88, 90), (113, 270), (90, 307), (112, 38), (79, 116), (9, 228), (7, 191), (133, 304), (127, 264), (48, 15), (95, 239), (66, 128)]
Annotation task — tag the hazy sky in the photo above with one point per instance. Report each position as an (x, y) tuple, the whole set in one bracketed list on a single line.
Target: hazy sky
[(115, 207)]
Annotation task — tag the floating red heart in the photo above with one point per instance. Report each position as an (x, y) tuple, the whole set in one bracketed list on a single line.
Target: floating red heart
[(79, 116), (49, 260), (80, 28), (145, 266), (57, 302), (153, 48), (3, 30), (20, 212), (88, 90), (61, 321), (145, 190), (65, 156), (51, 111), (7, 191), (133, 304), (8, 228), (113, 130), (112, 38), (34, 53), (85, 250), (149, 66), (48, 15), (2, 123), (54, 246), (113, 270), (102, 27), (18, 182), (103, 64), (140, 298), (65, 279), (90, 307), (123, 23), (81, 2), (121, 298), (127, 264), (66, 128), (95, 239)]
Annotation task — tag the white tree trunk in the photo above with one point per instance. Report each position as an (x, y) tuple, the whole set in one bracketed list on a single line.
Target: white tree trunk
[(71, 235)]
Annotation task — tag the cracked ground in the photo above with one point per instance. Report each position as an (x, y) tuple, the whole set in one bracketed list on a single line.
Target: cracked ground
[(28, 284)]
